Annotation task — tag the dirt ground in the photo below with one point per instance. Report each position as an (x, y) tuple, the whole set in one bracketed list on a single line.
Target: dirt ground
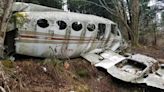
[(75, 75)]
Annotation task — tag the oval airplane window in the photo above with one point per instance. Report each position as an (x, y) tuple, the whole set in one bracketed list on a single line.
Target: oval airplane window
[(62, 25), (43, 23), (77, 26), (91, 27)]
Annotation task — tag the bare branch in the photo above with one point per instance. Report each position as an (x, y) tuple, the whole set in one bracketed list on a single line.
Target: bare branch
[(2, 89), (104, 5)]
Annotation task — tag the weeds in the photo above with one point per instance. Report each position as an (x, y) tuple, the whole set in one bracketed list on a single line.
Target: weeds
[(81, 88), (8, 64), (55, 62), (82, 73)]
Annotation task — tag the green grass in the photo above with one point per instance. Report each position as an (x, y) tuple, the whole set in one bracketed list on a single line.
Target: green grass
[(82, 73)]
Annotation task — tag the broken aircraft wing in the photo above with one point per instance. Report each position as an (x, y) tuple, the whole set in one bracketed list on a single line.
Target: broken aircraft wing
[(156, 79), (136, 68), (105, 59)]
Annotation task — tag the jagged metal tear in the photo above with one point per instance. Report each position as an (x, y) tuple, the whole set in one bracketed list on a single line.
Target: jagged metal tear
[(109, 59)]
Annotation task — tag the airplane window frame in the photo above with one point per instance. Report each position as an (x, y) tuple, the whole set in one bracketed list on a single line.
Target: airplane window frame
[(61, 26), (45, 23), (101, 31), (91, 29), (101, 28), (73, 27), (114, 30)]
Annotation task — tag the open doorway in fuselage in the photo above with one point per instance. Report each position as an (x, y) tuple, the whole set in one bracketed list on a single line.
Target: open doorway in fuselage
[(9, 42)]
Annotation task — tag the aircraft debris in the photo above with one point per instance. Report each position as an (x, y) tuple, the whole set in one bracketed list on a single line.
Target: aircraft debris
[(136, 68), (47, 32)]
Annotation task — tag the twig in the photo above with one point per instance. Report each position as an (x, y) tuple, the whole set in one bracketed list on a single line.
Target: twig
[(2, 89), (4, 78)]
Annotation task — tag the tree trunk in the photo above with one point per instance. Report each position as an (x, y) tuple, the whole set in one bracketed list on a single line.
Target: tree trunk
[(130, 21), (135, 21), (154, 43), (4, 22), (6, 16)]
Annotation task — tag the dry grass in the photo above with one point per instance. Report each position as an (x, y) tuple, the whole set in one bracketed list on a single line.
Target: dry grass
[(79, 76)]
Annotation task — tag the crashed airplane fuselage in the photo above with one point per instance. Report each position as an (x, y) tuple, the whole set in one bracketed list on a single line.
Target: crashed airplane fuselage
[(40, 31), (61, 34)]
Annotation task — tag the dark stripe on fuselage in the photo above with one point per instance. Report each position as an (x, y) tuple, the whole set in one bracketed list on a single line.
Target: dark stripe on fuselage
[(46, 34), (53, 38)]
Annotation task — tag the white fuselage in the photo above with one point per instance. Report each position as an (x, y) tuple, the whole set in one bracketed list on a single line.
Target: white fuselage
[(64, 34)]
